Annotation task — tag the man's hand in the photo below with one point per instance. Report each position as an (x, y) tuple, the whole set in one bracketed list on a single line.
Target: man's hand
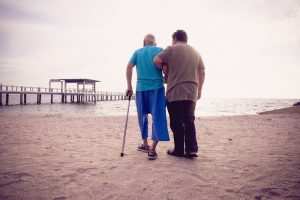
[(165, 72), (165, 79), (129, 92)]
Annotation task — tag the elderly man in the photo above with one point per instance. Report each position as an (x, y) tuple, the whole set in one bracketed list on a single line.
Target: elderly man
[(150, 95), (184, 86)]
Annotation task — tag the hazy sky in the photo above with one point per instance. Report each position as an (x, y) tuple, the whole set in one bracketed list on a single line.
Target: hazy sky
[(251, 48)]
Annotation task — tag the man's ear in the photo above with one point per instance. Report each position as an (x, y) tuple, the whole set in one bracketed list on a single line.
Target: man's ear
[(174, 41)]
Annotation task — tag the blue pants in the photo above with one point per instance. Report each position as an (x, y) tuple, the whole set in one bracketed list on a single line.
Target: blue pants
[(152, 102)]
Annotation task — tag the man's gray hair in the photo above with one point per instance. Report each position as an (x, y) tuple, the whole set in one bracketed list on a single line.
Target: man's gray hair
[(149, 39)]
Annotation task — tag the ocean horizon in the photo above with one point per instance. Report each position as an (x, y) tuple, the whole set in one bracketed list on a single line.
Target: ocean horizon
[(204, 107)]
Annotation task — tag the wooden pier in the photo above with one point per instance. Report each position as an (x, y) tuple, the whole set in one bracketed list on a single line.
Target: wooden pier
[(67, 95)]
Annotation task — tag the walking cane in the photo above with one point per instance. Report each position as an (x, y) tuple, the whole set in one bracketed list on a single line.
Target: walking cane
[(124, 136)]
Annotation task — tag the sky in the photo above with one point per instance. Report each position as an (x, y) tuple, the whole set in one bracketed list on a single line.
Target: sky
[(250, 48)]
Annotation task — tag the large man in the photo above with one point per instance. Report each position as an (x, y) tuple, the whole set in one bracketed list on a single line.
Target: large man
[(185, 79), (150, 95)]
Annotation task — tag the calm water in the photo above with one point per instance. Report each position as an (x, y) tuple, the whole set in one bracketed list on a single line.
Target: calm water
[(205, 107)]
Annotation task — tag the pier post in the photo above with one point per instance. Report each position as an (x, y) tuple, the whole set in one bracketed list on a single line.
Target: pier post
[(7, 99), (39, 96), (50, 86), (51, 91), (1, 94), (51, 96), (62, 91), (66, 96), (25, 99), (21, 96), (83, 97), (77, 96), (94, 91)]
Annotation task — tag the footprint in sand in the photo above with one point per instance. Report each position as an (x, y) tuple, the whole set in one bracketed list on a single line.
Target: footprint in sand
[(113, 167), (60, 198), (22, 174), (258, 198), (9, 183), (83, 170), (270, 192), (229, 190)]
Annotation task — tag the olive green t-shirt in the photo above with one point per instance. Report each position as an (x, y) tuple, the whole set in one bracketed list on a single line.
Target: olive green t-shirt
[(184, 64)]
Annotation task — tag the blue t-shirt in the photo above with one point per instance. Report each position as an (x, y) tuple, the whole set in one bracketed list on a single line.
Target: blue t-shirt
[(149, 77)]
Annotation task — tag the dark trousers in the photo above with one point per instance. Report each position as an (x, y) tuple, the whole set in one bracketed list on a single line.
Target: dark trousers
[(182, 117)]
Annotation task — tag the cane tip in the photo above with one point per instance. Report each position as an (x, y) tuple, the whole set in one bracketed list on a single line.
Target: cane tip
[(122, 154)]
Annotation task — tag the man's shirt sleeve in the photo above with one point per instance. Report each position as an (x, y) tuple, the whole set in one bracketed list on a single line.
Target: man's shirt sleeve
[(165, 54), (133, 58)]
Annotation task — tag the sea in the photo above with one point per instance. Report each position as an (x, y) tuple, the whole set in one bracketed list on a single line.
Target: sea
[(204, 107)]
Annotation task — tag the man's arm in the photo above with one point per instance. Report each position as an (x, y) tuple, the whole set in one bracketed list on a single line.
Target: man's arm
[(201, 81), (166, 72), (201, 77), (158, 62), (129, 91)]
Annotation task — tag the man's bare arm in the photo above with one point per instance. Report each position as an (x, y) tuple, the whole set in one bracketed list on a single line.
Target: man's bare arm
[(201, 81), (129, 91), (158, 62), (165, 72)]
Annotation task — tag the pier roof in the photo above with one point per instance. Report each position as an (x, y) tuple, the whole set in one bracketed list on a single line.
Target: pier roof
[(71, 80)]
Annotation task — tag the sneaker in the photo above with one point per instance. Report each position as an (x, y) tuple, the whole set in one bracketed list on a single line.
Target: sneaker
[(143, 148), (173, 153), (152, 155)]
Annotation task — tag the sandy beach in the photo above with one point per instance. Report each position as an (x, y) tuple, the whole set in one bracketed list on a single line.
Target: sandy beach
[(58, 157)]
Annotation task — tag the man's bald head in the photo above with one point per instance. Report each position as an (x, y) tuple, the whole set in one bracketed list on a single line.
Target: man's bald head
[(149, 40)]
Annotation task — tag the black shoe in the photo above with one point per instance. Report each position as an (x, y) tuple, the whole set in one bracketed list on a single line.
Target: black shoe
[(152, 155), (191, 155), (173, 153)]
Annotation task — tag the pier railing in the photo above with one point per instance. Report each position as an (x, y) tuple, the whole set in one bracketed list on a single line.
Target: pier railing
[(80, 95)]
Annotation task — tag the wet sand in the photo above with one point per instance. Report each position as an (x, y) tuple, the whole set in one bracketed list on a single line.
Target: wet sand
[(58, 157), (289, 110)]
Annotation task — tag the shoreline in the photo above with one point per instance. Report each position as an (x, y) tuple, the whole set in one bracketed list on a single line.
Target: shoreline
[(206, 107), (287, 110)]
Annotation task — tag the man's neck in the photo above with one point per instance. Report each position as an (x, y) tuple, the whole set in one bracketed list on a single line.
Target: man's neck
[(180, 42)]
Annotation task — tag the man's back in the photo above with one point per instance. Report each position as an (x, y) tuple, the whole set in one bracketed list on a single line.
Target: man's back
[(184, 65), (148, 76)]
